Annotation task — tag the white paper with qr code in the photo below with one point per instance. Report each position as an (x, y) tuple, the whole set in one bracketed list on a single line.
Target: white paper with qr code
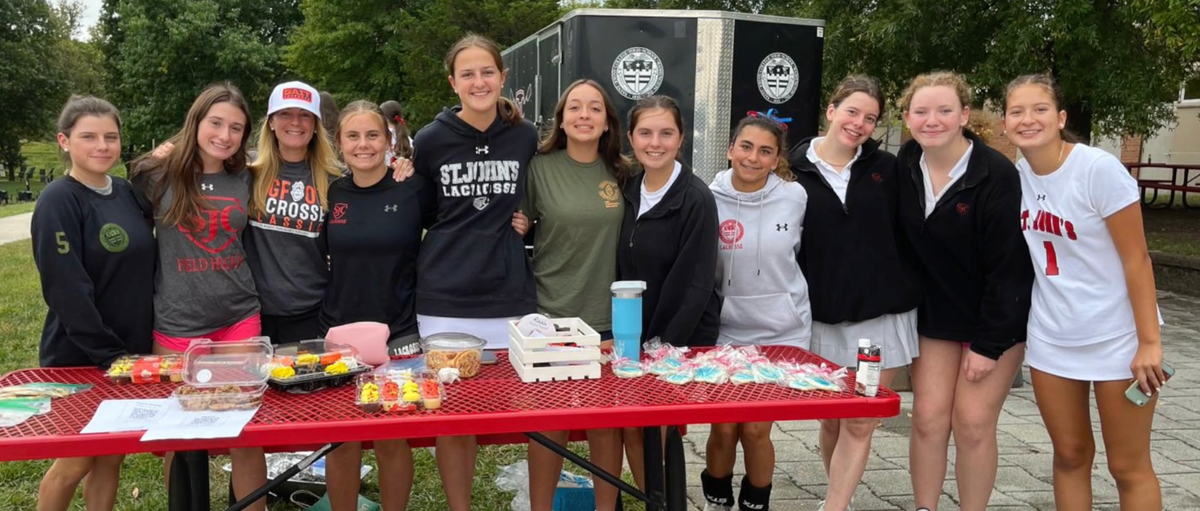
[(178, 424), (118, 415)]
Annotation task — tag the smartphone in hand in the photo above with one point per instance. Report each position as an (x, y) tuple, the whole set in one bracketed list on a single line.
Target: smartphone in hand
[(1134, 393)]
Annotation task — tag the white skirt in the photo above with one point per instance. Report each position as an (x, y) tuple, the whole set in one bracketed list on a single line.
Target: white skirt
[(492, 330), (1103, 361), (896, 335)]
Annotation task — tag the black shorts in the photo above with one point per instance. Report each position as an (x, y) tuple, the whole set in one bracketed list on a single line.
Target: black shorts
[(294, 328)]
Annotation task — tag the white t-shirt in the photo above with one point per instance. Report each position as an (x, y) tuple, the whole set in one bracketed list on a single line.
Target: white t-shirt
[(650, 199), (956, 172), (839, 181), (1079, 293)]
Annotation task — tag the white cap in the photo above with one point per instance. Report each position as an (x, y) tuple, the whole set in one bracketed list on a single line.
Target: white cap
[(864, 343), (628, 285), (295, 95)]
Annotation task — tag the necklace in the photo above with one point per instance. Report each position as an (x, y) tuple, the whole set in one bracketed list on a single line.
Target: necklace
[(826, 160), (1062, 145)]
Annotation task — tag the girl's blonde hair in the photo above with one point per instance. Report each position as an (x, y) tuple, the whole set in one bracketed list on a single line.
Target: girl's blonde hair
[(947, 78), (322, 161)]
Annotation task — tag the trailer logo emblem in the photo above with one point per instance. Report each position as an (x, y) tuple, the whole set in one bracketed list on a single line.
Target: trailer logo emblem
[(637, 72), (778, 77)]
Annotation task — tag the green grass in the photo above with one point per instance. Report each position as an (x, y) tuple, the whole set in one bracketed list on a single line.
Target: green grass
[(17, 208), (39, 155), (21, 314), (1172, 244)]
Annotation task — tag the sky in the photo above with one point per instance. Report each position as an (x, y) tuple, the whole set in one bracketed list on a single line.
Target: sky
[(91, 12)]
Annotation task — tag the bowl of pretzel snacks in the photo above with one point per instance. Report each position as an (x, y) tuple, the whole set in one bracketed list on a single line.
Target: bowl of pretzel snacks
[(455, 350)]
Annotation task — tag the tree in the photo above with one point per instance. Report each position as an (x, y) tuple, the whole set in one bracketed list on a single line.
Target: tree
[(33, 84), (162, 53), (1117, 76), (1120, 63), (378, 50)]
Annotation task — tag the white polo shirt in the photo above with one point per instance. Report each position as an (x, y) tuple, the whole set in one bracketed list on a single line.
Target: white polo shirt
[(839, 181), (956, 172)]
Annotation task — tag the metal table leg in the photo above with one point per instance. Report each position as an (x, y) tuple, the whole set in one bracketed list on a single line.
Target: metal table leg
[(569, 455), (652, 451), (262, 492), (676, 471)]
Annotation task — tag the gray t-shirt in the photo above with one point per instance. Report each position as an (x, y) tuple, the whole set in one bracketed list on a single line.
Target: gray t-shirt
[(288, 266), (202, 282)]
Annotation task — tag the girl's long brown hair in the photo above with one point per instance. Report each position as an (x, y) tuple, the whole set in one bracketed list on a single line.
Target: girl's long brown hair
[(181, 170), (506, 108), (610, 140), (394, 115)]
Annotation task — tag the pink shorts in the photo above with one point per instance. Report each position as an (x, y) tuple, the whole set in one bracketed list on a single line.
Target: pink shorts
[(240, 331)]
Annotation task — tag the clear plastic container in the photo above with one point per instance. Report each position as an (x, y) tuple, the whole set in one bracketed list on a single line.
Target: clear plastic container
[(369, 394), (146, 369), (451, 349), (309, 366), (397, 393), (225, 375)]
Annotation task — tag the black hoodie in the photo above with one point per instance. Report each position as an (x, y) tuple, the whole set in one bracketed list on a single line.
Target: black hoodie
[(971, 257), (850, 252), (472, 263), (673, 247)]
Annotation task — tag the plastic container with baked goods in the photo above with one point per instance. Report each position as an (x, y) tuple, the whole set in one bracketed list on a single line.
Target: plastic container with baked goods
[(146, 369), (309, 366), (452, 349), (224, 375), (369, 391)]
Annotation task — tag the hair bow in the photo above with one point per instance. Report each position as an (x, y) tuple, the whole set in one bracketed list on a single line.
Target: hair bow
[(771, 114), (400, 119)]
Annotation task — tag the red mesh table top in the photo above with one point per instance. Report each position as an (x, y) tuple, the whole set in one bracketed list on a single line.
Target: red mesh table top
[(494, 402)]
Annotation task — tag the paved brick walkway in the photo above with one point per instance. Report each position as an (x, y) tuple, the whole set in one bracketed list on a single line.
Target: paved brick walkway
[(1023, 482)]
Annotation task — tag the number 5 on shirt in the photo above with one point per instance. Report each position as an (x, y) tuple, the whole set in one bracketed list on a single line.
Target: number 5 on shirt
[(1051, 259)]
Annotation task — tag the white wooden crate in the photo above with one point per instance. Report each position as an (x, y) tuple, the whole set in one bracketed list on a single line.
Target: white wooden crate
[(581, 362)]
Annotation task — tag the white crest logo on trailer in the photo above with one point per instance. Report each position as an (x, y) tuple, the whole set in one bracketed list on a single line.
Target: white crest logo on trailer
[(778, 77), (637, 72)]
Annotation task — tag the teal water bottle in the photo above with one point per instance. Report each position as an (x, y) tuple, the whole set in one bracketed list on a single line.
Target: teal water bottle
[(627, 318)]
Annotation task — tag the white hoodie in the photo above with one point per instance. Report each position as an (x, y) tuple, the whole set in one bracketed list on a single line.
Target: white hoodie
[(766, 296)]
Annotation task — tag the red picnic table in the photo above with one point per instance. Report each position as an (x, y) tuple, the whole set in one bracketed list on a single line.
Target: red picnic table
[(495, 404)]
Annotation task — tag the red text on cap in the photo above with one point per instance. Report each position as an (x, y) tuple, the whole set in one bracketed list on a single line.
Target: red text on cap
[(297, 93)]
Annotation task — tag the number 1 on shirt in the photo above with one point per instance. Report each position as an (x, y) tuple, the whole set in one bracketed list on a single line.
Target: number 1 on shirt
[(1051, 259)]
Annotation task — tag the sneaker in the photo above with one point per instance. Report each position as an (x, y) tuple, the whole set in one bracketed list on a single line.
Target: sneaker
[(849, 507), (709, 506)]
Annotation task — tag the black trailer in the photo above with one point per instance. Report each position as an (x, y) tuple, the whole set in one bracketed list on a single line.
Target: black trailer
[(720, 66)]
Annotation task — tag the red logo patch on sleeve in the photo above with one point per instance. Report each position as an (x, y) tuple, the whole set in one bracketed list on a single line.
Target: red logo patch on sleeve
[(962, 208)]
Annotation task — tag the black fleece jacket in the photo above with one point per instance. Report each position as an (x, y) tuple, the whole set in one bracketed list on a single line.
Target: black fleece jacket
[(472, 263), (970, 255), (673, 247), (849, 252)]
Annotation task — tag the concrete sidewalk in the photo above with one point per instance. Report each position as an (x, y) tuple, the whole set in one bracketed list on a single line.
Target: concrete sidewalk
[(15, 228), (1023, 481)]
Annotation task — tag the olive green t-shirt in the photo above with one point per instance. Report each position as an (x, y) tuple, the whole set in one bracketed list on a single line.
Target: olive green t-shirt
[(579, 209)]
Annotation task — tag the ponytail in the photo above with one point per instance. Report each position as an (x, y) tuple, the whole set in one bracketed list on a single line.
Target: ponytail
[(508, 111)]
